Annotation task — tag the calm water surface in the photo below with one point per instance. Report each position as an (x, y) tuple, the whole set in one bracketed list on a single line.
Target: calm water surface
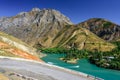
[(83, 65)]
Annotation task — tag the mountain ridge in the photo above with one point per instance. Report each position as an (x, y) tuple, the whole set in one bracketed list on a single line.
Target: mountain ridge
[(103, 28), (34, 23), (41, 28)]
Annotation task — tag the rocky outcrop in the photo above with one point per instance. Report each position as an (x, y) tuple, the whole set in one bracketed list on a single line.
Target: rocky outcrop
[(103, 28)]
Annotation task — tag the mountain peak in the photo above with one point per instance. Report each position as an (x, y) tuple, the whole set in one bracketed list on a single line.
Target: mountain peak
[(22, 13), (97, 20), (36, 25), (36, 9)]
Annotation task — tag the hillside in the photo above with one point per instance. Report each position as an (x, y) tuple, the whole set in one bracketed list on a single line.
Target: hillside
[(105, 29), (80, 38), (13, 47)]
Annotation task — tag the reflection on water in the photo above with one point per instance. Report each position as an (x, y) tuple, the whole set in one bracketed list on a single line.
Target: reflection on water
[(83, 65), (50, 63), (74, 66)]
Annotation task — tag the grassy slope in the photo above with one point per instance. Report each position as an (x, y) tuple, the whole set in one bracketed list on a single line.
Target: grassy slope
[(80, 38)]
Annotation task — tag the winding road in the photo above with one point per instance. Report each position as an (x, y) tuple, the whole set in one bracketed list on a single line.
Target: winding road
[(46, 70)]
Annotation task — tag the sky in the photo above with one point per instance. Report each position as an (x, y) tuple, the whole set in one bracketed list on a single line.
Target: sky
[(77, 10)]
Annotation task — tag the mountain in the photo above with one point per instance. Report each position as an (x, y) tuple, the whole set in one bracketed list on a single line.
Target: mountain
[(49, 28), (105, 29), (13, 47), (80, 38), (36, 26)]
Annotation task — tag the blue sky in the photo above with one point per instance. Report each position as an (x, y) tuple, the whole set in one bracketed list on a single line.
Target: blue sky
[(76, 10)]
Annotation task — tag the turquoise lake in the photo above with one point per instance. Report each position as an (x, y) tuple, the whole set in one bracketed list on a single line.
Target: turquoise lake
[(84, 66)]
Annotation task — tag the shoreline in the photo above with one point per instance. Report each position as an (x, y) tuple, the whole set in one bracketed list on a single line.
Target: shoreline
[(57, 67)]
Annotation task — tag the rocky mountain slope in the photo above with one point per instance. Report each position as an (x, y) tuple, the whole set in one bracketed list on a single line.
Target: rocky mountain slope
[(13, 47), (49, 28), (103, 28), (35, 26)]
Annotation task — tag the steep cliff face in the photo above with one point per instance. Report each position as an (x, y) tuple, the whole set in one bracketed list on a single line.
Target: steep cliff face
[(35, 27), (103, 28)]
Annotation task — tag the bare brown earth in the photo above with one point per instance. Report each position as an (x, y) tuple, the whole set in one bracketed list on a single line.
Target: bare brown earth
[(13, 51)]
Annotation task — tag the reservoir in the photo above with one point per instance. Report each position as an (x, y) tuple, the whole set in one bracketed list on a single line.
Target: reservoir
[(84, 66)]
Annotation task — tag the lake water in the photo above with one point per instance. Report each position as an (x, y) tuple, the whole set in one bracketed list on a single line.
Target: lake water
[(84, 66)]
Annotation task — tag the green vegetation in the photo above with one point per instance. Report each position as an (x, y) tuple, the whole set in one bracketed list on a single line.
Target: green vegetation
[(107, 24), (108, 59), (54, 50), (71, 55), (74, 54)]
